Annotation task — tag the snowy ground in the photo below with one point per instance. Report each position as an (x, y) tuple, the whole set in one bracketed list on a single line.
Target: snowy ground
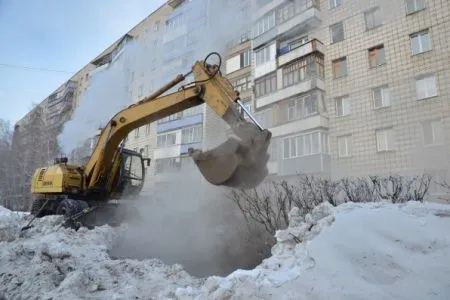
[(355, 251)]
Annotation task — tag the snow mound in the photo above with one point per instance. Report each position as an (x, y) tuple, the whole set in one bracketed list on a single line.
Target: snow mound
[(353, 251), (52, 262)]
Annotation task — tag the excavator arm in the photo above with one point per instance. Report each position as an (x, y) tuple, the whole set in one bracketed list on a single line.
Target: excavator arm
[(239, 162)]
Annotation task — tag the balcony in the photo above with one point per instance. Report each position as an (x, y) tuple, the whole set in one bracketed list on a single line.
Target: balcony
[(264, 9), (172, 34), (184, 147), (176, 124), (287, 55), (315, 163), (290, 91), (265, 68), (166, 152), (303, 21), (308, 123), (265, 38), (174, 3), (273, 167)]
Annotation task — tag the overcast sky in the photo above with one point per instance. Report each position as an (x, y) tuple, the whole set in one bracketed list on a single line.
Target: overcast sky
[(57, 35)]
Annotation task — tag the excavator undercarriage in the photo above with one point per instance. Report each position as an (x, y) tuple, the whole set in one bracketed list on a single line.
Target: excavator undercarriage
[(240, 162)]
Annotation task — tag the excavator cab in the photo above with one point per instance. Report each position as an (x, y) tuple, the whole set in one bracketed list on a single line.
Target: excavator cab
[(131, 175)]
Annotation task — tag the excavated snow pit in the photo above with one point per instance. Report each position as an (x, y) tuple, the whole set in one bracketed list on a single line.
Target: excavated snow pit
[(203, 246)]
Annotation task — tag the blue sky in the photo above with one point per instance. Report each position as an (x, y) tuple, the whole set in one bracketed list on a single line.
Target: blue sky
[(58, 35)]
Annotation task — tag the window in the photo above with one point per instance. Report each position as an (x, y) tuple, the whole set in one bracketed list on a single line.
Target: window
[(433, 132), (156, 26), (385, 139), (242, 84), (345, 145), (273, 150), (302, 107), (265, 118), (334, 3), (147, 130), (247, 106), (297, 43), (264, 24), (266, 85), (373, 18), (245, 58), (426, 86), (166, 140), (414, 6), (420, 42), (193, 111), (294, 73), (286, 12), (343, 106), (339, 67), (301, 145), (303, 69), (192, 134), (172, 117), (175, 22), (141, 90), (263, 56), (325, 148), (146, 151), (136, 133), (337, 32), (381, 97), (376, 56)]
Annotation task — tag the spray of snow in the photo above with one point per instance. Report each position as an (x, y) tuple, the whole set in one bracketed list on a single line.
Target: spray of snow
[(354, 251), (106, 95)]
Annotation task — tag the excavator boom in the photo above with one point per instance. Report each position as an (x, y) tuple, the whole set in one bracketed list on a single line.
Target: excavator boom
[(240, 162)]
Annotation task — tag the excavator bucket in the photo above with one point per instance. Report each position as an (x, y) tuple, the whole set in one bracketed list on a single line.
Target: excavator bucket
[(239, 162)]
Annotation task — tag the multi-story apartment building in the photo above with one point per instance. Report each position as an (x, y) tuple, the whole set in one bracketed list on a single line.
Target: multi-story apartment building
[(353, 87), (347, 87), (185, 39), (289, 85), (387, 85)]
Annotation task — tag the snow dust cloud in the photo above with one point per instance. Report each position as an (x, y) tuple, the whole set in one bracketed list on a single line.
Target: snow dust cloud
[(104, 97), (180, 220)]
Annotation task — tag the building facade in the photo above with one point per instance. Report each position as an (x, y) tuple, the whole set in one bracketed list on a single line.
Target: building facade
[(289, 86), (387, 86), (347, 87)]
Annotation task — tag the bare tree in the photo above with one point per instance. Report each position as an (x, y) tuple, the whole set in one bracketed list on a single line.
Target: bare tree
[(315, 190), (400, 189), (360, 189), (268, 205), (5, 160), (32, 145)]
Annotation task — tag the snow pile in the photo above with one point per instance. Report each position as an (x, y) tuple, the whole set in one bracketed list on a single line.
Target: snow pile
[(52, 262), (354, 251)]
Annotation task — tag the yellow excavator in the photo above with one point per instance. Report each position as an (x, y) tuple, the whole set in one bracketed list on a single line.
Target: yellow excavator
[(113, 172)]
